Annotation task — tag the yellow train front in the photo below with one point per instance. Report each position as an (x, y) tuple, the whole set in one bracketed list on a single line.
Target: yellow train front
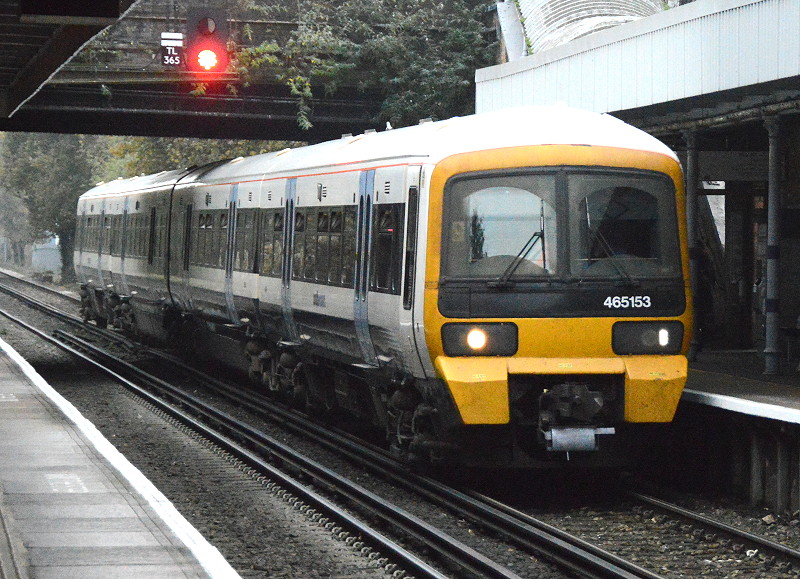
[(503, 289), (557, 306)]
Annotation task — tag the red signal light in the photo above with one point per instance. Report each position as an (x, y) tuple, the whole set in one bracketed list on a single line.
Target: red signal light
[(207, 39), (207, 59)]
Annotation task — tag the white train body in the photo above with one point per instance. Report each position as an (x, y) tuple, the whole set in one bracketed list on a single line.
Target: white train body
[(327, 257)]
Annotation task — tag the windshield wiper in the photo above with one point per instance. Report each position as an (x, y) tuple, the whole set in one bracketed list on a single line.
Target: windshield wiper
[(615, 262), (503, 280)]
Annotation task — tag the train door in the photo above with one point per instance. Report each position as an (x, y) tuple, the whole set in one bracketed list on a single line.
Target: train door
[(101, 234), (180, 245), (233, 201), (289, 327), (411, 314), (362, 273), (80, 245)]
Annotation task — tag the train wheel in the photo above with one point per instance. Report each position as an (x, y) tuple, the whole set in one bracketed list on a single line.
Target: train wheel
[(298, 396)]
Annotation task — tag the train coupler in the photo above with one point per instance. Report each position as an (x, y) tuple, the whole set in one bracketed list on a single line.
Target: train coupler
[(574, 439)]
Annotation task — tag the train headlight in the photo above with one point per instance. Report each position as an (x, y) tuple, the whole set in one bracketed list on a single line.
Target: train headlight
[(483, 339), (476, 339), (647, 338)]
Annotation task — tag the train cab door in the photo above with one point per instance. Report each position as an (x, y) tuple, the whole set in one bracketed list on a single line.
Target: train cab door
[(362, 267), (289, 327), (411, 321)]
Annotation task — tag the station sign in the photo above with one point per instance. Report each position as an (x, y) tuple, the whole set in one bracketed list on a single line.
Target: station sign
[(172, 49)]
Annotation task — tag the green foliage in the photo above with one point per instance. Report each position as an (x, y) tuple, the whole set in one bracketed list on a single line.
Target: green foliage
[(144, 155), (47, 173), (420, 56)]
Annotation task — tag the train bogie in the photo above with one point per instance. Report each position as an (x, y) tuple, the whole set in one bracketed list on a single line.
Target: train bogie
[(506, 289)]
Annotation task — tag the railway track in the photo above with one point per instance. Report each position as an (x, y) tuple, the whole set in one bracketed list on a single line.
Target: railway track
[(543, 540)]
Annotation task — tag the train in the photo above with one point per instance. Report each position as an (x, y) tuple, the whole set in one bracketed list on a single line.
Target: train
[(505, 289)]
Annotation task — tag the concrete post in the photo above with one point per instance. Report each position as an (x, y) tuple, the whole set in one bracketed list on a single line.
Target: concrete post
[(772, 347), (756, 468), (691, 178), (783, 477)]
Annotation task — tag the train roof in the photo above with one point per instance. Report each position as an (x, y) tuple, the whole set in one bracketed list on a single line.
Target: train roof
[(428, 142), (138, 183)]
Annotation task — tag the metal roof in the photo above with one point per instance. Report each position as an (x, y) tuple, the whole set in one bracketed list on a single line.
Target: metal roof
[(704, 59), (33, 45), (550, 23)]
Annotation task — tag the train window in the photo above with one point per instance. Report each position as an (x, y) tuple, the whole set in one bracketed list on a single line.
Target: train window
[(245, 240), (273, 244), (129, 230), (387, 241), (323, 221), (623, 225), (349, 246), (112, 235), (299, 221), (336, 221), (151, 238), (220, 241), (187, 237), (500, 226), (130, 234), (267, 245), (335, 259), (298, 256), (322, 247), (310, 252), (106, 242)]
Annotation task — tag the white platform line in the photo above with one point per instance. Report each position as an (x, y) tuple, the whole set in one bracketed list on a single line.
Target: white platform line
[(743, 405), (207, 555)]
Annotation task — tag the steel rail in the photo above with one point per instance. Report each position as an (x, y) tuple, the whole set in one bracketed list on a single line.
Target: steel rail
[(758, 540), (248, 438), (562, 548), (384, 544), (71, 319)]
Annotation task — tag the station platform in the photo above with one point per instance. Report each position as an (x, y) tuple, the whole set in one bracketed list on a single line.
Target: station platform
[(734, 380), (72, 506)]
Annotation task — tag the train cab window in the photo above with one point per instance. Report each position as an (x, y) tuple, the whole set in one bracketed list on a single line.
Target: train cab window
[(623, 226), (387, 257), (500, 227)]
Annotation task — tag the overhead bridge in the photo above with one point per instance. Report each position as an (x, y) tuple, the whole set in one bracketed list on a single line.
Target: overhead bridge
[(49, 84)]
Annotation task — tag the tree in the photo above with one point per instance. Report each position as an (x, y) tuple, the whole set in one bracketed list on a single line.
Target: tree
[(48, 173), (145, 155), (420, 56)]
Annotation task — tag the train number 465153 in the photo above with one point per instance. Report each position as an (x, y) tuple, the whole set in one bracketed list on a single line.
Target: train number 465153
[(622, 302)]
